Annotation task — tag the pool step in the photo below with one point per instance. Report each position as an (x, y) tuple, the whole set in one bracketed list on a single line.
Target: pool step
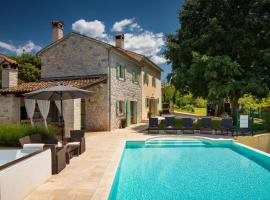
[(174, 143)]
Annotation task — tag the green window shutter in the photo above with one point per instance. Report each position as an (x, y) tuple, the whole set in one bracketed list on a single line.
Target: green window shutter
[(128, 113), (125, 72), (118, 71), (117, 107), (125, 106), (146, 103)]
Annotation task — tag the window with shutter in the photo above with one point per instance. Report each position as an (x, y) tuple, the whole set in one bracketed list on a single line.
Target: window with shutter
[(120, 71), (153, 82), (120, 108)]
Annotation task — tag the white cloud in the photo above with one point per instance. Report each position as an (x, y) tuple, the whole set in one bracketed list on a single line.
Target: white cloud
[(130, 23), (94, 28), (29, 47), (9, 47), (158, 59), (146, 43)]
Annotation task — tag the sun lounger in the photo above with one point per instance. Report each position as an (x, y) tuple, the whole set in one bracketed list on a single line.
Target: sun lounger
[(187, 125), (225, 126), (170, 124), (206, 125), (153, 124)]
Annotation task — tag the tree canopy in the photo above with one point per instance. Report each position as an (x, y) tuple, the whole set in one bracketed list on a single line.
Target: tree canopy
[(29, 67), (222, 49)]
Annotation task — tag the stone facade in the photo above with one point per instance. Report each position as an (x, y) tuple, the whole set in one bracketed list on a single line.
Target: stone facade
[(10, 109), (79, 56), (124, 90), (75, 55), (96, 108)]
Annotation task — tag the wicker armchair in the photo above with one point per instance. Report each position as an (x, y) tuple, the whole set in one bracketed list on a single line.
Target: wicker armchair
[(78, 136)]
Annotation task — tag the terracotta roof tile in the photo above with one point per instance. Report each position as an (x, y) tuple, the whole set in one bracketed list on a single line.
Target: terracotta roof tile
[(7, 59), (31, 86), (136, 56)]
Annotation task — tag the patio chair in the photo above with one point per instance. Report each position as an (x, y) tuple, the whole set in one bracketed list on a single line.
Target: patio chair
[(153, 124), (225, 126), (187, 125), (78, 136), (206, 125), (170, 124)]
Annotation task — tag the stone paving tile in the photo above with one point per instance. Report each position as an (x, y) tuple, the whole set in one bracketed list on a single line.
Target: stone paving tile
[(90, 175)]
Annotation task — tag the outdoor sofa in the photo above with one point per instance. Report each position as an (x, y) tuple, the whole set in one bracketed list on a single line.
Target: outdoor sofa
[(58, 153)]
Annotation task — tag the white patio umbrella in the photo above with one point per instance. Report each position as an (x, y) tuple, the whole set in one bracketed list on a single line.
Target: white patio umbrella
[(59, 92)]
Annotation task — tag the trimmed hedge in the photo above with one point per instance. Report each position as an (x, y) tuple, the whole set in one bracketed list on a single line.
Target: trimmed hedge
[(11, 133)]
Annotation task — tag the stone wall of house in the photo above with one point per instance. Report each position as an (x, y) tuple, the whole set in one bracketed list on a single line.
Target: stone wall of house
[(10, 109), (96, 108), (74, 56), (148, 91), (124, 90)]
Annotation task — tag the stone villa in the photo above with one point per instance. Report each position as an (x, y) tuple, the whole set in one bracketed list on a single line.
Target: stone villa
[(127, 85)]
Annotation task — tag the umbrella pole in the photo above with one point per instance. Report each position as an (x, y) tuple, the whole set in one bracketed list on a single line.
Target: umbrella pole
[(62, 118)]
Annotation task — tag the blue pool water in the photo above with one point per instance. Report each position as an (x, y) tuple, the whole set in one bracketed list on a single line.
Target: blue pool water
[(166, 170)]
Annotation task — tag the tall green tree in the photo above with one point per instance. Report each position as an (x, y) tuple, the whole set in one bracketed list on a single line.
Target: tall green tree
[(29, 67), (222, 49)]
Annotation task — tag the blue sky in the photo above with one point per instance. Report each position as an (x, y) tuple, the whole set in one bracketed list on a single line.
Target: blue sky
[(26, 25)]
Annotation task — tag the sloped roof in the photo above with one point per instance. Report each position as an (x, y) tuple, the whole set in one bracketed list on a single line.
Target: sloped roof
[(130, 54), (6, 59), (31, 86)]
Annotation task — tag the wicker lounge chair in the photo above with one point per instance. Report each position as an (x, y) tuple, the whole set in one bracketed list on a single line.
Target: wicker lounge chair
[(187, 125), (170, 124), (225, 126), (206, 125), (78, 136), (153, 124)]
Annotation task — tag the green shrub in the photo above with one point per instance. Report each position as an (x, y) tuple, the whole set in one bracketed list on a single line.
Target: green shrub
[(11, 133), (189, 108), (200, 102)]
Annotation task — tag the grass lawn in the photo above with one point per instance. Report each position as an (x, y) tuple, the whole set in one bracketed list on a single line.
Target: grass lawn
[(197, 111)]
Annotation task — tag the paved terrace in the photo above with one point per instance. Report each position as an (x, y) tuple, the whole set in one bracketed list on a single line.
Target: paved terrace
[(90, 175)]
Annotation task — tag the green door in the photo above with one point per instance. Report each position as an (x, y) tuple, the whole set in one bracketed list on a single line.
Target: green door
[(128, 113)]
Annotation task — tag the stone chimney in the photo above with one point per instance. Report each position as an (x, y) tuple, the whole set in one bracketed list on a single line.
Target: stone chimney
[(57, 30), (119, 40), (9, 75)]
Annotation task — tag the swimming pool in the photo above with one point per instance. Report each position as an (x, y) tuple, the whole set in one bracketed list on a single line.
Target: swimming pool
[(191, 169)]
